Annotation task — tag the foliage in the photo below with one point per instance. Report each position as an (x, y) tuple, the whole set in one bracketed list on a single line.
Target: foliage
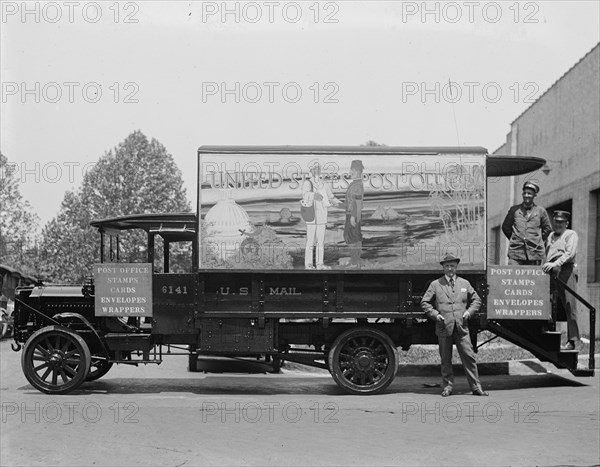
[(137, 177), (209, 251), (18, 223), (458, 201)]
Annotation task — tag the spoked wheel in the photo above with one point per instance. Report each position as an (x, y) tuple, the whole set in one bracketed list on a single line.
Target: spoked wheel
[(55, 360), (363, 361), (99, 366)]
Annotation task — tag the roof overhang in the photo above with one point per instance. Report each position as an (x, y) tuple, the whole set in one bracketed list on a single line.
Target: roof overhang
[(508, 166)]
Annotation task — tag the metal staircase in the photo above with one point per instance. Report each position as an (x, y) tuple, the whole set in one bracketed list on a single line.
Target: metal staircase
[(540, 338)]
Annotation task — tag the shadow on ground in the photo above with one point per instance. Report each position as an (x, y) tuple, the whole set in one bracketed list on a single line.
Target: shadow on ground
[(308, 385)]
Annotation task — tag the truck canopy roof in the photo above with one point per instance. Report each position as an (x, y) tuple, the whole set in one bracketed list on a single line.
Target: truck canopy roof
[(174, 227), (343, 150)]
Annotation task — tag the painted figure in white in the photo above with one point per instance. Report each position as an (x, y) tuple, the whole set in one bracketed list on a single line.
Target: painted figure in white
[(316, 191)]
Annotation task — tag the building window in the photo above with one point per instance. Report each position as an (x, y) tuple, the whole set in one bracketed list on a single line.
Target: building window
[(594, 238)]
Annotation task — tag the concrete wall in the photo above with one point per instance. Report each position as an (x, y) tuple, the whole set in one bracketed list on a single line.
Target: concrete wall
[(563, 127)]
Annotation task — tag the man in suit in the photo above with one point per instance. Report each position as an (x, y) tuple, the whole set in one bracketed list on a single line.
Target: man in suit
[(450, 301)]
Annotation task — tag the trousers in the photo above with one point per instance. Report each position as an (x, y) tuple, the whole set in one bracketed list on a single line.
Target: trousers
[(467, 357), (315, 235), (567, 301)]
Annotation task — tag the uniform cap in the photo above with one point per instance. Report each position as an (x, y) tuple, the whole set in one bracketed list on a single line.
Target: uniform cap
[(532, 186), (561, 216), (357, 164), (449, 259)]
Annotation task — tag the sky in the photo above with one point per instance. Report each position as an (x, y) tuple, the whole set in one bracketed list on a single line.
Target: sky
[(79, 77)]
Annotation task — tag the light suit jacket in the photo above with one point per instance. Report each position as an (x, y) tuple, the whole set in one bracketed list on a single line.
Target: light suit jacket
[(440, 300)]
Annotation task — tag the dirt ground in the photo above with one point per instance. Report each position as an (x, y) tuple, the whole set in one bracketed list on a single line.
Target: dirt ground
[(164, 415)]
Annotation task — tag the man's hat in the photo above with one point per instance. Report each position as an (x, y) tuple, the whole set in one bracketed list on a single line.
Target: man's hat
[(561, 216), (449, 258), (357, 164), (531, 185)]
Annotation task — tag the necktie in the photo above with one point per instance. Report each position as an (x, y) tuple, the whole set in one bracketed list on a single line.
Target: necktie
[(452, 284)]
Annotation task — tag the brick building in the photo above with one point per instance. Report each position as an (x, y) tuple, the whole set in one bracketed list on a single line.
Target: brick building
[(563, 127)]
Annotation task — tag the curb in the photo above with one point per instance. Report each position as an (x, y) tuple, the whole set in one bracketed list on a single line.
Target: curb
[(510, 367), (496, 368)]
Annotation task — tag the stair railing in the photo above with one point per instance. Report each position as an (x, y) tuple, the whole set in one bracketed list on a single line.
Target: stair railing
[(592, 310)]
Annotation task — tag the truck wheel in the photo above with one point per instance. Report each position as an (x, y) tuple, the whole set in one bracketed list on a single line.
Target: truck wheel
[(98, 368), (55, 360), (363, 360)]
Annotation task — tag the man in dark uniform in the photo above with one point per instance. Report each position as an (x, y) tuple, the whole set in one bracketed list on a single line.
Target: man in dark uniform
[(561, 249), (450, 301), (527, 227), (354, 204)]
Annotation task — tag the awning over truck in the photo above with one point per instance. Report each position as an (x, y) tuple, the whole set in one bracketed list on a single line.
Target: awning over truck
[(173, 227), (507, 166)]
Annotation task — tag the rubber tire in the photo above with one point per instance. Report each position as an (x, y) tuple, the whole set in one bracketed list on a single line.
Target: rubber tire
[(99, 372), (383, 343), (78, 346)]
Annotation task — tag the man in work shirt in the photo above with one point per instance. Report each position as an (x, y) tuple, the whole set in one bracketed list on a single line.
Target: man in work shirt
[(527, 227), (561, 248)]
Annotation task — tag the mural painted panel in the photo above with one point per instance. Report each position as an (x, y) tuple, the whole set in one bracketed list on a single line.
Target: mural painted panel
[(347, 211)]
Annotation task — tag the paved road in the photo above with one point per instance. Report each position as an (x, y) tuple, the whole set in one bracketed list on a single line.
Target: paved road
[(167, 416)]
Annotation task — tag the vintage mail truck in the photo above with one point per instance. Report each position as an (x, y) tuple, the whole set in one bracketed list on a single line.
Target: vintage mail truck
[(317, 255)]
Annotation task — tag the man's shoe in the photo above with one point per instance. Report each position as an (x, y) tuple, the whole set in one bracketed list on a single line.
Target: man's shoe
[(570, 346), (578, 345), (446, 392), (480, 392)]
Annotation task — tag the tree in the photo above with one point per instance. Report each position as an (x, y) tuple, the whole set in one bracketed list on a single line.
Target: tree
[(18, 223), (372, 143), (136, 177)]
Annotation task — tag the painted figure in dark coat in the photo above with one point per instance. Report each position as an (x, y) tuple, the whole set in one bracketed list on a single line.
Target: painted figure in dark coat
[(354, 204)]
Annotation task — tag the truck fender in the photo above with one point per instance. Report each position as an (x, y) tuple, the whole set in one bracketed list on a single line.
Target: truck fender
[(87, 324)]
